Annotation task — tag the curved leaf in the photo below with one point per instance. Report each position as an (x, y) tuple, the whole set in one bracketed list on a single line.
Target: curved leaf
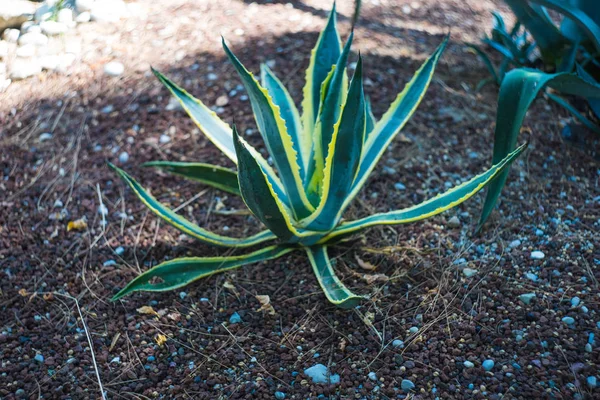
[(335, 291), (593, 103), (186, 226), (258, 193), (278, 141), (546, 34), (180, 272), (343, 157), (211, 175), (207, 120), (323, 56), (371, 121), (567, 106), (577, 16), (394, 120), (486, 60), (290, 115), (518, 90), (430, 207)]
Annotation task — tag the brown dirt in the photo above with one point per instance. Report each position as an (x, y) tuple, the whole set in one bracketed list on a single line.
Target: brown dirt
[(551, 204)]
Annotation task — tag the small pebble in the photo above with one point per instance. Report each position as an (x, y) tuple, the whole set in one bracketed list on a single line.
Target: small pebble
[(469, 272), (164, 139), (39, 358), (592, 382), (575, 301), (45, 136), (488, 365), (109, 263), (114, 68), (399, 186), (413, 330), (514, 243), (568, 320), (119, 250), (537, 255), (279, 395), (182, 295), (531, 276), (468, 364), (150, 358), (123, 157), (235, 318), (398, 343), (454, 222), (588, 348), (527, 297), (407, 385), (372, 376)]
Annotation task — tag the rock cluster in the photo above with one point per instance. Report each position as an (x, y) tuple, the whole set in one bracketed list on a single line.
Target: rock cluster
[(38, 37)]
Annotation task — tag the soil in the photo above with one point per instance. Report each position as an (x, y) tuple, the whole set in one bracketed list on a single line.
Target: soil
[(52, 280)]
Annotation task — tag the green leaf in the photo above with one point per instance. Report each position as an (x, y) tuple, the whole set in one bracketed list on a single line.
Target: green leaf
[(258, 193), (323, 57), (567, 106), (336, 292), (186, 226), (278, 141), (183, 271), (392, 122), (546, 34), (429, 208), (578, 17), (282, 99), (211, 175), (343, 157), (593, 103), (207, 120), (371, 121), (518, 90)]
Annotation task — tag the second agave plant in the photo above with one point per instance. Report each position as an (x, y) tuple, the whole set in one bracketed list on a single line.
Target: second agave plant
[(321, 160)]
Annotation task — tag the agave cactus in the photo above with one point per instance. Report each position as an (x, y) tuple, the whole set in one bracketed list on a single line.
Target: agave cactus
[(321, 161)]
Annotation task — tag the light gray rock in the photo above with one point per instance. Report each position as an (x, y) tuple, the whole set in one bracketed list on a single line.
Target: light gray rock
[(53, 28), (65, 16), (26, 51), (4, 84), (37, 39), (24, 68), (11, 35), (14, 12), (30, 27), (114, 68), (108, 11), (83, 17)]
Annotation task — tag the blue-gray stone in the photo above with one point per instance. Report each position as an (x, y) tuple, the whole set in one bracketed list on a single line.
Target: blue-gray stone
[(235, 318), (488, 365), (531, 276), (279, 395), (527, 297), (568, 320), (407, 385), (413, 330), (592, 382), (399, 186), (39, 358), (119, 250), (320, 374), (468, 364), (372, 376), (575, 301), (398, 343)]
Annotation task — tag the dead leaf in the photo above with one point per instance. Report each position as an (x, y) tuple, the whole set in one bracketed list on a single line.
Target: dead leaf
[(372, 278), (160, 339), (365, 264), (23, 292), (114, 341), (147, 310), (342, 345), (48, 296), (265, 304), (77, 225), (229, 286), (175, 316)]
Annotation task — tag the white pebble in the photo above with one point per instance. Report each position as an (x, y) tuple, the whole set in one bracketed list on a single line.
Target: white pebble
[(114, 68), (537, 255), (45, 136), (123, 157)]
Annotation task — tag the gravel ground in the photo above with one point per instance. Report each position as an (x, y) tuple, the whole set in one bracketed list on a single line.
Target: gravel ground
[(511, 313)]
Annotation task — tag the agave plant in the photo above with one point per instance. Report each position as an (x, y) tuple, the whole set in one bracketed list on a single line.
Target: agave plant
[(321, 161)]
